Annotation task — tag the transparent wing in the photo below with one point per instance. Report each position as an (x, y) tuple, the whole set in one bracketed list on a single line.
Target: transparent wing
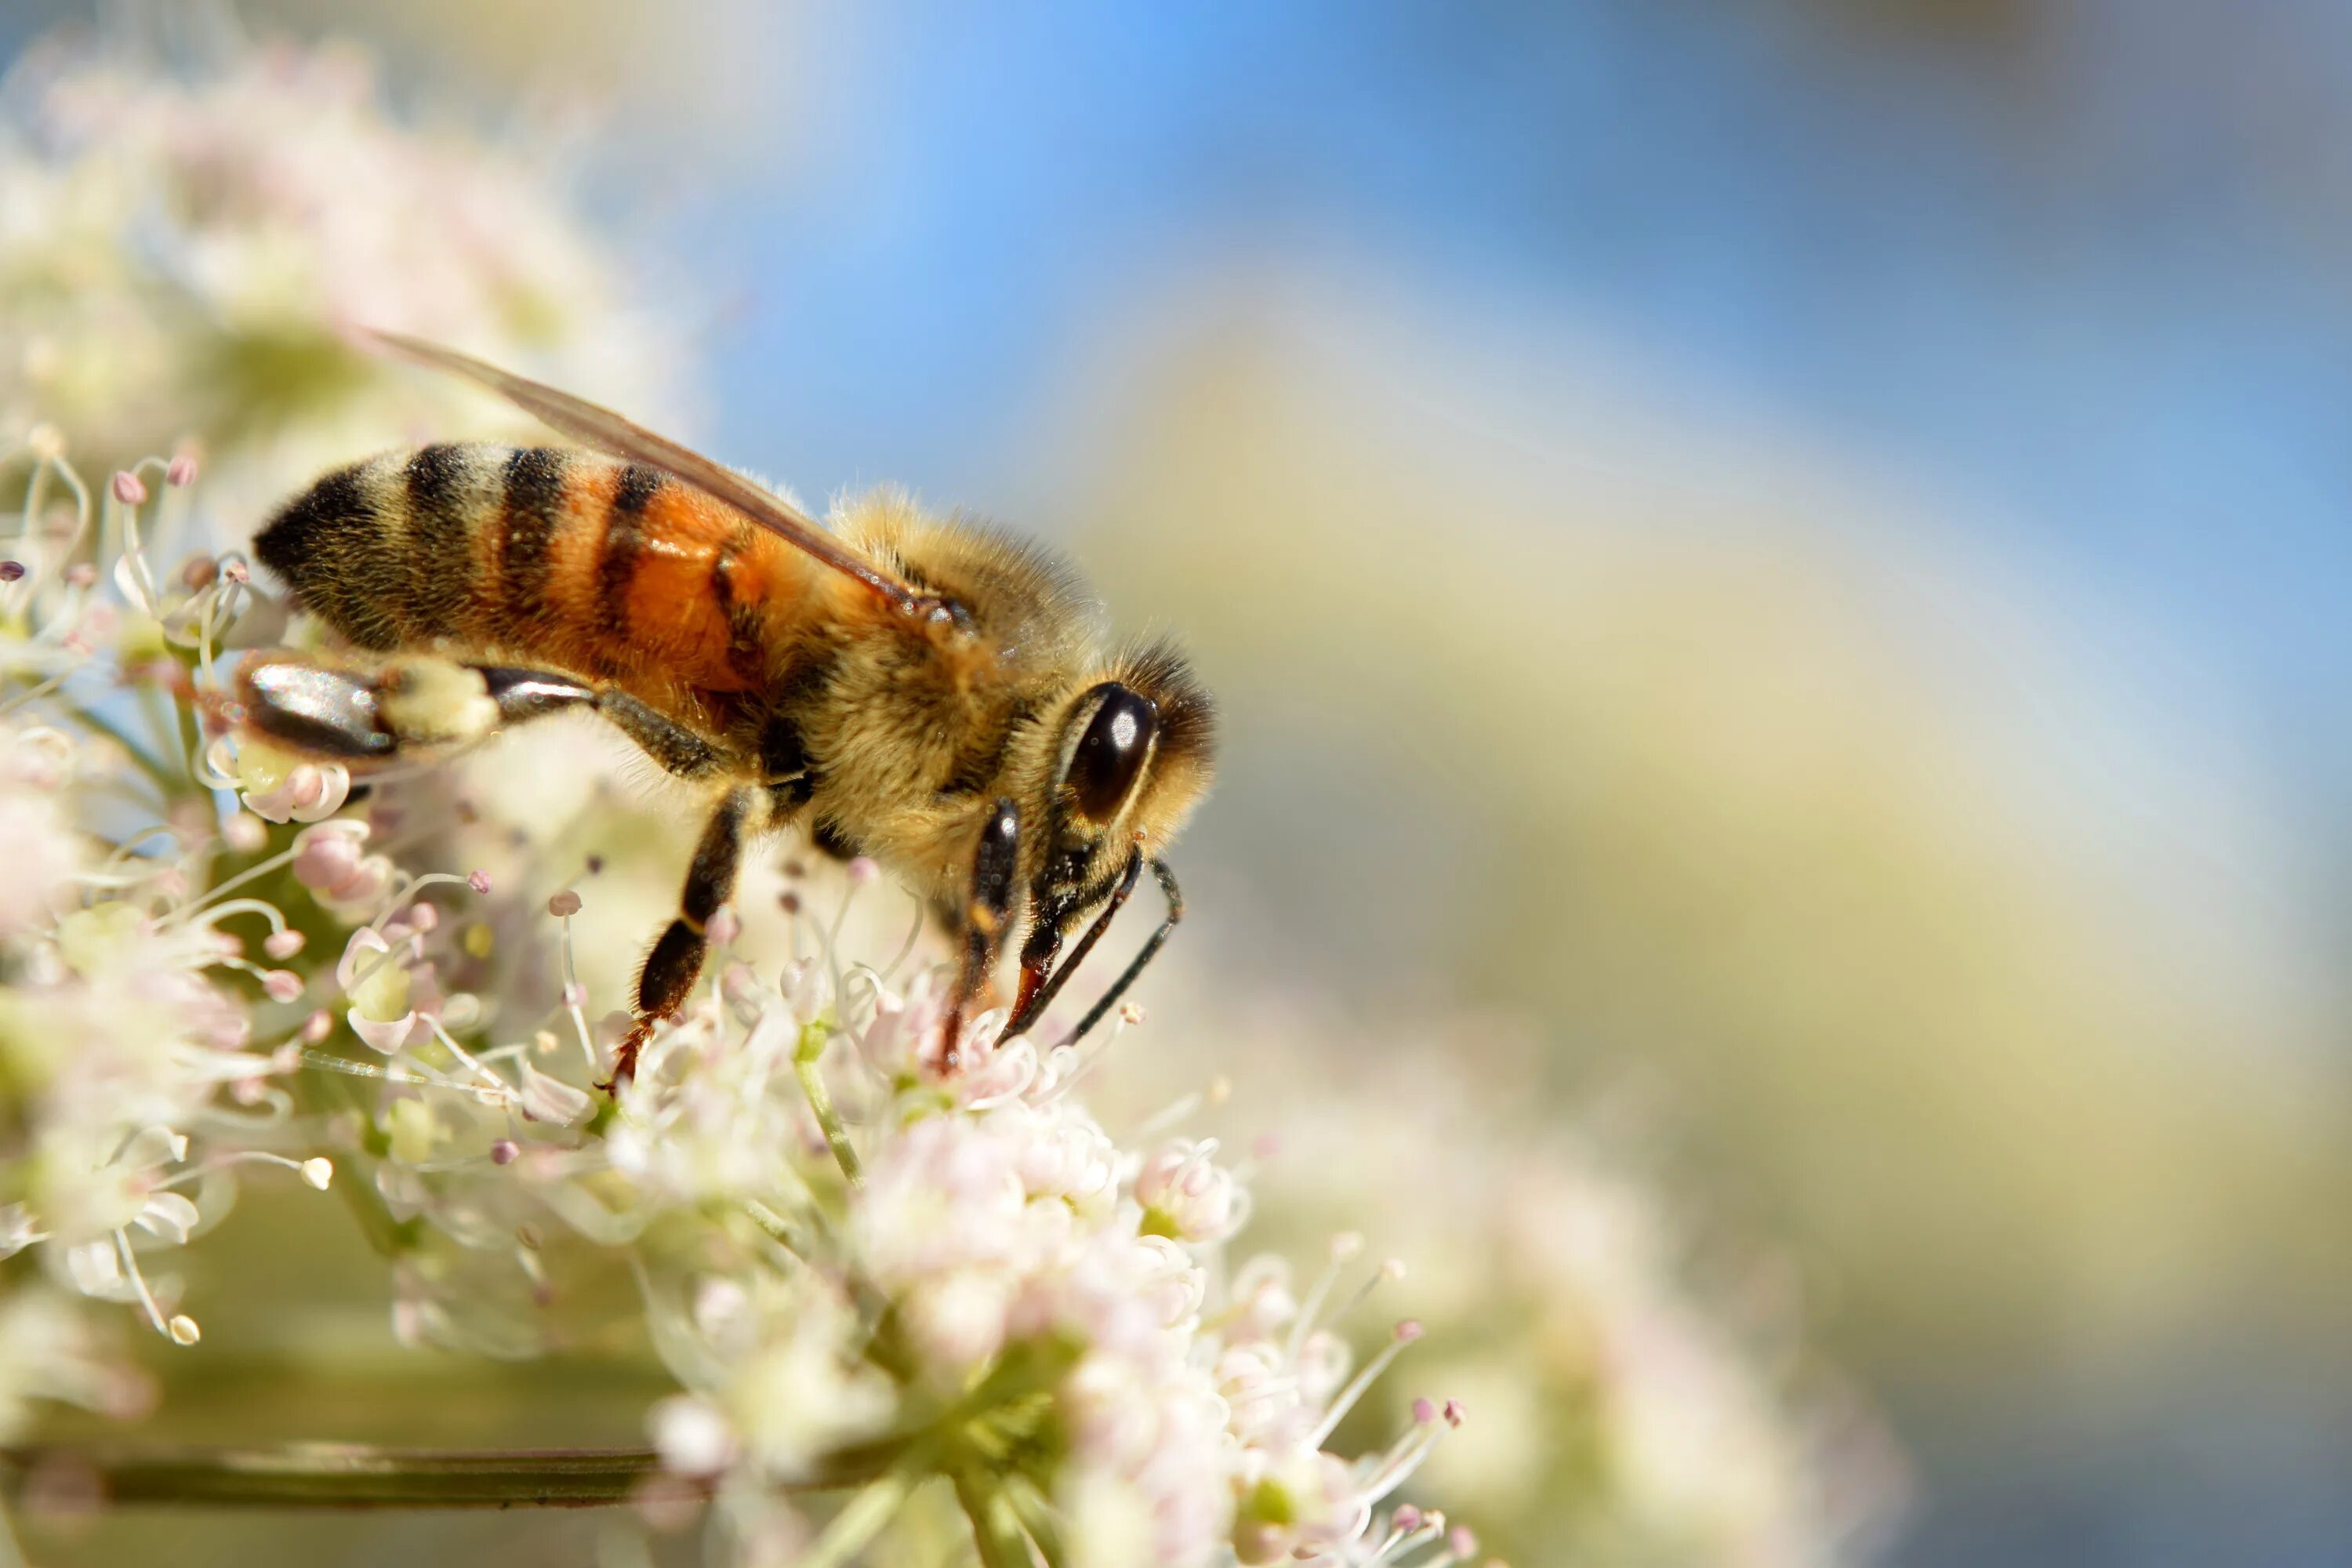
[(609, 432)]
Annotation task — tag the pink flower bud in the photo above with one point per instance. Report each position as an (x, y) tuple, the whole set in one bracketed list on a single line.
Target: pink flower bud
[(863, 871), (1454, 1413), (1424, 1412), (564, 905), (724, 928), (505, 1151), (479, 880), (317, 1026), (12, 571), (129, 488), (1407, 1330), (324, 861), (282, 984), (424, 917), (182, 471), (1407, 1518), (282, 945)]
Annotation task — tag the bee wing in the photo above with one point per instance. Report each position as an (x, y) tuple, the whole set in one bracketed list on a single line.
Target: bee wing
[(609, 432)]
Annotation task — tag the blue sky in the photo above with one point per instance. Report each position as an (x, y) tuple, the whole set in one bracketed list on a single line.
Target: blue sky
[(2092, 279)]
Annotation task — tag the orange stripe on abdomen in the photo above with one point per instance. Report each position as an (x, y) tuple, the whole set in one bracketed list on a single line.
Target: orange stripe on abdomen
[(649, 577)]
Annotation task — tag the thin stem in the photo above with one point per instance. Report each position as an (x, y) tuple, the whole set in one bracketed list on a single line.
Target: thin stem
[(804, 1064), (861, 1519), (340, 1476), (345, 1476), (995, 1526)]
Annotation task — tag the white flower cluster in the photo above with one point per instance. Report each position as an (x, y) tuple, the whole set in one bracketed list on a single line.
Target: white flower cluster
[(183, 246), (127, 1066), (1046, 1307)]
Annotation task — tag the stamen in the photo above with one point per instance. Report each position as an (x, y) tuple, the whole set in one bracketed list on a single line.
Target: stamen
[(575, 995), (1390, 1269), (181, 1329), (1405, 1333), (326, 1063), (318, 1171), (1344, 1246), (284, 857), (914, 934)]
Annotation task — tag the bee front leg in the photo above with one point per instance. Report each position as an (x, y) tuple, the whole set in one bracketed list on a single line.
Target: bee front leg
[(986, 915), (674, 963), (1041, 982)]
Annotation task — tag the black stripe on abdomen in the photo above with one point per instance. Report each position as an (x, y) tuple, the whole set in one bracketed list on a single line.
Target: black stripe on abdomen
[(328, 544), (746, 657), (530, 510), (439, 546), (624, 541)]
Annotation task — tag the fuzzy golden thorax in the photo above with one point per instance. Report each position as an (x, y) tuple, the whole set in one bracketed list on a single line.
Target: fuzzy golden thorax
[(923, 728)]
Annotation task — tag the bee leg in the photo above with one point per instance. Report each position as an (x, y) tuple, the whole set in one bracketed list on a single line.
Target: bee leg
[(1135, 966), (1045, 943), (523, 694), (372, 717), (675, 961), (986, 915)]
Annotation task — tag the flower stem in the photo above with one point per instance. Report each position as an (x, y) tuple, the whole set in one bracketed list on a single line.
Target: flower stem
[(861, 1519), (995, 1526), (335, 1476), (354, 1476), (804, 1064)]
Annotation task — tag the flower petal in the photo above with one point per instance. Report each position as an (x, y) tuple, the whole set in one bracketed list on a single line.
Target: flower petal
[(167, 1215)]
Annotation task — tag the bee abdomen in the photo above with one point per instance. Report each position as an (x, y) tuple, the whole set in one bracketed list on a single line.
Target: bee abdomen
[(602, 567)]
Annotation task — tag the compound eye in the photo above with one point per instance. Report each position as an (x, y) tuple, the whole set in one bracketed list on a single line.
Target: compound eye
[(1110, 753)]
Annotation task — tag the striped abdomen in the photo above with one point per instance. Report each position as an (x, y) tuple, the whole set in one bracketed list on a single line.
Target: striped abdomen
[(565, 557)]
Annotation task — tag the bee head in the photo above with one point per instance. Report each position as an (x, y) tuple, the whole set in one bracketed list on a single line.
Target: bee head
[(1136, 751), (1134, 755)]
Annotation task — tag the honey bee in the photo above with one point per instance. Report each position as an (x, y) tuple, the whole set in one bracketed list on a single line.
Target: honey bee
[(924, 691)]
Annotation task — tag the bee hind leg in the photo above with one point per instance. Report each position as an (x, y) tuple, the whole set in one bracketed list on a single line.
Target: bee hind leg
[(373, 715), (522, 694), (675, 961)]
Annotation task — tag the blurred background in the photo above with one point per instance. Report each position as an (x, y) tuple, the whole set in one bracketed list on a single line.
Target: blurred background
[(1777, 563)]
